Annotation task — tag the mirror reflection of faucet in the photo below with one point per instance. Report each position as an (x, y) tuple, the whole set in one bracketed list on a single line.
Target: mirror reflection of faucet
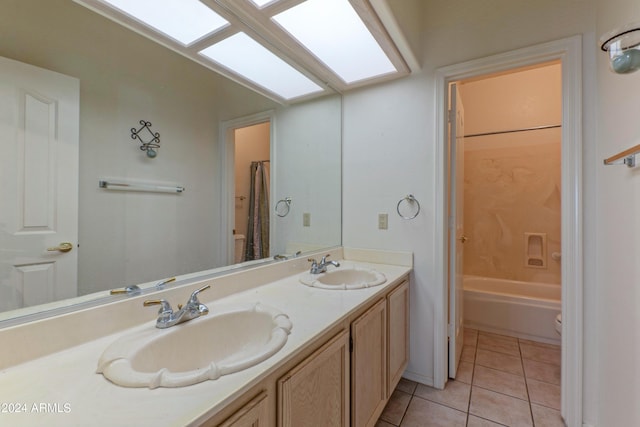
[(192, 309), (280, 257), (322, 266)]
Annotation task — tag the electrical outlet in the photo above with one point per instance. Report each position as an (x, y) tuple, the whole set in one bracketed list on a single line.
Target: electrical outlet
[(306, 219), (383, 221)]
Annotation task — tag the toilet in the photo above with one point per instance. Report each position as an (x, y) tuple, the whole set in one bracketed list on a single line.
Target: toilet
[(559, 324), (239, 248)]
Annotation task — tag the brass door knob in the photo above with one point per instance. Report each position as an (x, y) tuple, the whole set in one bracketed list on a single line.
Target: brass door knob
[(62, 247)]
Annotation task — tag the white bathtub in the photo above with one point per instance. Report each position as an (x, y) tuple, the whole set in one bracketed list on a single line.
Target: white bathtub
[(509, 307)]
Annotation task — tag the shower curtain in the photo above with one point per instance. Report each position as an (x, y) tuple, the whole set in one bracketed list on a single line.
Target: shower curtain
[(257, 246)]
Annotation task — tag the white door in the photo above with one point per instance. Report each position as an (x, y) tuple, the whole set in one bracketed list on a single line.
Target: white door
[(39, 132), (456, 229)]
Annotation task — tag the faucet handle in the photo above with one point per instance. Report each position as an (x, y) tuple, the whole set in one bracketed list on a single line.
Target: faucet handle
[(312, 261), (193, 299), (324, 259), (165, 306)]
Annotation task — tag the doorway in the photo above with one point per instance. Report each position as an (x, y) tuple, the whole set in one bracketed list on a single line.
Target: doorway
[(568, 53), (252, 184), (247, 142)]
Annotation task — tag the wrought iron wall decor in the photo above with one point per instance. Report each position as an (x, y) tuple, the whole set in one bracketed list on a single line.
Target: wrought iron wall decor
[(152, 144)]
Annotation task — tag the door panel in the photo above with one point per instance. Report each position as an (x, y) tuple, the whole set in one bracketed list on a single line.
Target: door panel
[(456, 230), (39, 133)]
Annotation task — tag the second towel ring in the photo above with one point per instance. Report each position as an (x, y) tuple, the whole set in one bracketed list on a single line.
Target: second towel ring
[(287, 205), (409, 199)]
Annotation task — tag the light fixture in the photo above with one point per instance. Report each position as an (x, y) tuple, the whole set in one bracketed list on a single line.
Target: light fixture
[(272, 74), (333, 31), (170, 17), (623, 46)]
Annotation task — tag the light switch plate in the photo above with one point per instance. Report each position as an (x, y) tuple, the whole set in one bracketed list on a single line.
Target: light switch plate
[(383, 221), (306, 219)]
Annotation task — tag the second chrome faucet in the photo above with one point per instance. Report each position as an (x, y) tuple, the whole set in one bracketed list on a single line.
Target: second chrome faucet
[(192, 309)]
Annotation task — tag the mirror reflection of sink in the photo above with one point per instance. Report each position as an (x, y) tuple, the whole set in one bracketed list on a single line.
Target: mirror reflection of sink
[(344, 279), (227, 341)]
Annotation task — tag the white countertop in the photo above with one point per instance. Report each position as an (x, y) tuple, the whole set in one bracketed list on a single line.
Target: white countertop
[(62, 389)]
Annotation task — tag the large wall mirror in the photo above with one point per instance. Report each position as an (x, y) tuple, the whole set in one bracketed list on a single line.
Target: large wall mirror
[(112, 79)]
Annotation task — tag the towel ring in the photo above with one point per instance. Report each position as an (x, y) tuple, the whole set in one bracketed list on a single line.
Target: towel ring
[(287, 205), (408, 199)]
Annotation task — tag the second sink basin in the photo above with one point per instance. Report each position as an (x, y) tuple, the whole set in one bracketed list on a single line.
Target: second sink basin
[(224, 342), (345, 279)]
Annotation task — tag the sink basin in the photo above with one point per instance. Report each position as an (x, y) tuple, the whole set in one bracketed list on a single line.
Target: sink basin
[(345, 279), (227, 341)]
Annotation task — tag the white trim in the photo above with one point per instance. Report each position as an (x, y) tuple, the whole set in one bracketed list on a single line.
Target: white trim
[(569, 51), (227, 174)]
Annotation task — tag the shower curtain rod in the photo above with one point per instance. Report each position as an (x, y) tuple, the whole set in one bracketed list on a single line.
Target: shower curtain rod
[(513, 131)]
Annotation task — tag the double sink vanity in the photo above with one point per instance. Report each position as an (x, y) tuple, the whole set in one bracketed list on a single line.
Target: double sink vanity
[(269, 345)]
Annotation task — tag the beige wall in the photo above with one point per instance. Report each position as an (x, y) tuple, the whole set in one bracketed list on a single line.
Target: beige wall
[(512, 181)]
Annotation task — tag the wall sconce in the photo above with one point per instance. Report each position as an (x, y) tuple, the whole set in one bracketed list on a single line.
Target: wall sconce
[(623, 46), (152, 144)]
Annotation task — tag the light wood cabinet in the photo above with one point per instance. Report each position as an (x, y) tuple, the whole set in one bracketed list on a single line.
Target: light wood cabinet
[(254, 414), (316, 392), (369, 365), (397, 334)]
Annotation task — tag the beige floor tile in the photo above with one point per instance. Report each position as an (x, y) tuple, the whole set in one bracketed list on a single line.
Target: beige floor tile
[(470, 336), (500, 408), (544, 394), (546, 417), (381, 423), (499, 361), (455, 395), (423, 413), (406, 385), (480, 422), (468, 353), (465, 372), (540, 344), (500, 381), (540, 371), (540, 354), (498, 344), (396, 407), (498, 336)]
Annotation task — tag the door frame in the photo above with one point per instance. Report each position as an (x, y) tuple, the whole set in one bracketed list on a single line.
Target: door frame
[(569, 52), (227, 174)]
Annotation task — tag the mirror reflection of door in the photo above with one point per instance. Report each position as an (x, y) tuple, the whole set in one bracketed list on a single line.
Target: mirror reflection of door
[(39, 133), (252, 189)]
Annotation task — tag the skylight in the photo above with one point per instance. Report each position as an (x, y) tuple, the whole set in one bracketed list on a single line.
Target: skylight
[(248, 58), (183, 20), (335, 34)]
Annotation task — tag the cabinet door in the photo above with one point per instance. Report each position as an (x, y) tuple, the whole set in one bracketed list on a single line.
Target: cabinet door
[(369, 365), (254, 414), (316, 392), (398, 334)]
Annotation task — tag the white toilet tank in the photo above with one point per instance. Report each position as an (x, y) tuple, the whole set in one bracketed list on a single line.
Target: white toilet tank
[(239, 248)]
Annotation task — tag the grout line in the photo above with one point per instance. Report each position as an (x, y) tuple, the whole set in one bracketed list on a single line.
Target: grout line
[(526, 385)]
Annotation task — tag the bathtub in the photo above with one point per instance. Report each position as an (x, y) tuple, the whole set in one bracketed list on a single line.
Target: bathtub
[(509, 307)]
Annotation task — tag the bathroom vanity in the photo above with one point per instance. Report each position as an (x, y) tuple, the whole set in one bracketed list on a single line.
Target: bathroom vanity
[(343, 357)]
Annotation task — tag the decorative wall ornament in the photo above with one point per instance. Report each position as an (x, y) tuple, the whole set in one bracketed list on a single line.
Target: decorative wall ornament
[(153, 138)]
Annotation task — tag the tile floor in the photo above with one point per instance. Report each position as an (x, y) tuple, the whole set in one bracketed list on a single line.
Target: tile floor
[(502, 381)]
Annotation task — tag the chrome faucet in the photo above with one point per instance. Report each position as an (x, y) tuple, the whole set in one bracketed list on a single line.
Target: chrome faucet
[(192, 309), (322, 267)]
